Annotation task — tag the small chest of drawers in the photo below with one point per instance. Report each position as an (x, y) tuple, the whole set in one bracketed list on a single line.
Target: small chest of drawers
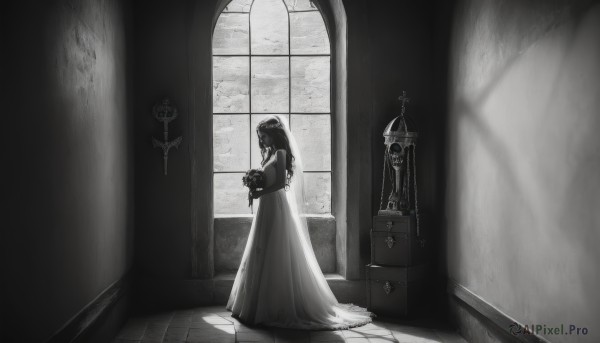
[(397, 271)]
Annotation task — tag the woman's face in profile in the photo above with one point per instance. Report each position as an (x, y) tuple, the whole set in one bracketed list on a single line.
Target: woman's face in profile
[(265, 138)]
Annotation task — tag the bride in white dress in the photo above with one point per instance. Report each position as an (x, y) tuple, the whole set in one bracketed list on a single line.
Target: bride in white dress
[(279, 282)]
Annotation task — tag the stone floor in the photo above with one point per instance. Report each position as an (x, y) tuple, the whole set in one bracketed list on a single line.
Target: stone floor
[(215, 325)]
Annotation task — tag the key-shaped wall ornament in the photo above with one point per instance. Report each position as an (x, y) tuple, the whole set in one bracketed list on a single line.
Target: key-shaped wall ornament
[(165, 112)]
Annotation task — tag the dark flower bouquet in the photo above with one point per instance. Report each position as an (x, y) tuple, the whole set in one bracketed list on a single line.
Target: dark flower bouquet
[(254, 179)]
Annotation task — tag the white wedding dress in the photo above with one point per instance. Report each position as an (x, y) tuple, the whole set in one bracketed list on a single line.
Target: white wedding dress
[(279, 282)]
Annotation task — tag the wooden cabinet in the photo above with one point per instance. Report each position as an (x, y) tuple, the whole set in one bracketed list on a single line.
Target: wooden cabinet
[(397, 271)]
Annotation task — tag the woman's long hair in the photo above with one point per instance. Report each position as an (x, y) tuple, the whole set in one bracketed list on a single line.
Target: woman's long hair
[(274, 128)]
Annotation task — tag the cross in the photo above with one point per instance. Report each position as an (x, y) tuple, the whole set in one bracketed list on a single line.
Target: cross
[(404, 100), (165, 113), (166, 146)]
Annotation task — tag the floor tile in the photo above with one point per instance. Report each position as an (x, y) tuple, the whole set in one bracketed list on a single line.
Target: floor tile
[(291, 336), (157, 318), (357, 340), (176, 334), (405, 333), (214, 320), (180, 323), (216, 329), (327, 336), (353, 334), (383, 339), (212, 339), (255, 336), (369, 327), (215, 325), (245, 328), (232, 320), (366, 334), (132, 330), (450, 337), (372, 332), (155, 331)]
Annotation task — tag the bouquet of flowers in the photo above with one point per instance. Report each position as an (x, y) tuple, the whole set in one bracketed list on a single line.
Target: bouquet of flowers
[(254, 179)]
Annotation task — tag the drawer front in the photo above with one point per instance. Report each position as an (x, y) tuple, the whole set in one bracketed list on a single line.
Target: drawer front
[(394, 291), (387, 298), (390, 249), (392, 224), (395, 249), (396, 274)]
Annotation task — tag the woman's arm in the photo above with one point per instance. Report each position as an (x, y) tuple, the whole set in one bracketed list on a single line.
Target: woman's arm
[(279, 175)]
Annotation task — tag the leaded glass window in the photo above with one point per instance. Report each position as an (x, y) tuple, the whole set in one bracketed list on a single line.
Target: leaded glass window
[(270, 57)]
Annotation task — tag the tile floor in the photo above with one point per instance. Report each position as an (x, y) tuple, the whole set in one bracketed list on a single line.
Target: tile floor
[(215, 325)]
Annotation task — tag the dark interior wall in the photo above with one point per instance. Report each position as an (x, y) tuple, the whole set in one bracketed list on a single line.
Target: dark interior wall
[(401, 46), (406, 46), (68, 227), (163, 237), (523, 161)]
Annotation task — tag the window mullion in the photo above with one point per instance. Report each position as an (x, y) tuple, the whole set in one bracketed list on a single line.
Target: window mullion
[(289, 69), (250, 88)]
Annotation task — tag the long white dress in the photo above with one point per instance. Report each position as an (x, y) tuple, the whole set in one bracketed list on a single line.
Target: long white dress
[(279, 282)]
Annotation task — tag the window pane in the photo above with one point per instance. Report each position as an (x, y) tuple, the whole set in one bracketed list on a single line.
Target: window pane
[(238, 6), (269, 25), (310, 84), (231, 34), (230, 196), (308, 34), (256, 118), (313, 135), (230, 85), (246, 88), (300, 5), (318, 192), (231, 140), (270, 84)]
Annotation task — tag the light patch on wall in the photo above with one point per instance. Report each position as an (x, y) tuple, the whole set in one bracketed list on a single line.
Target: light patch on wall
[(527, 159)]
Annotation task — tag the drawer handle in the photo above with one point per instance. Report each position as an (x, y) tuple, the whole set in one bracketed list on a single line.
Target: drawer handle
[(390, 241), (389, 225), (388, 287)]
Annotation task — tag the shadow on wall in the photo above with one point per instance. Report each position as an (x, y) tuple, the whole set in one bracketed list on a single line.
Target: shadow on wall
[(523, 164)]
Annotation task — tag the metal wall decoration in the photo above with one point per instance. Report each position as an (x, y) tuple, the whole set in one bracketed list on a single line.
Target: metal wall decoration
[(399, 166), (165, 112), (388, 287)]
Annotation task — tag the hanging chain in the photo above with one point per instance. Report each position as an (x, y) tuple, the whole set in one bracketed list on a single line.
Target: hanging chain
[(408, 174), (383, 183), (415, 186), (390, 166), (404, 182)]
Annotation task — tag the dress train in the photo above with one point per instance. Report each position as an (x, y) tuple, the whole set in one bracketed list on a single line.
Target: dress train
[(279, 282)]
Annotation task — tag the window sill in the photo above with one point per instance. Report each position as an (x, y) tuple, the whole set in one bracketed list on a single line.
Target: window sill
[(231, 277), (243, 216), (231, 232)]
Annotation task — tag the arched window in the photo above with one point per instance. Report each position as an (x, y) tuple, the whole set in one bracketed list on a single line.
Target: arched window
[(270, 57)]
